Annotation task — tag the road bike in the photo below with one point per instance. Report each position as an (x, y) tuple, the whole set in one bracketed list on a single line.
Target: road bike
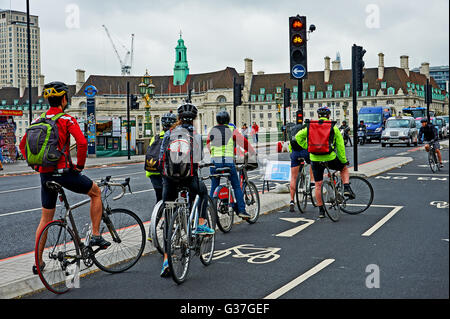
[(334, 200), (182, 239), (62, 249), (303, 188), (225, 201), (432, 158)]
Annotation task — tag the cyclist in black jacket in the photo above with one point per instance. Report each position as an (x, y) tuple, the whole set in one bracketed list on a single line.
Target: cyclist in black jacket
[(430, 136)]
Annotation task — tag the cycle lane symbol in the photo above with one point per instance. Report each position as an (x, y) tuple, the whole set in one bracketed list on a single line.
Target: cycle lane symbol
[(254, 255)]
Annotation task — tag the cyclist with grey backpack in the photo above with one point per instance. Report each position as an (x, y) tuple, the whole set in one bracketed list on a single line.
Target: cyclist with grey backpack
[(180, 155), (46, 147)]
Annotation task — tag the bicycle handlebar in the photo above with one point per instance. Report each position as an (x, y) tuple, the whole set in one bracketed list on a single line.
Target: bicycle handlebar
[(107, 182)]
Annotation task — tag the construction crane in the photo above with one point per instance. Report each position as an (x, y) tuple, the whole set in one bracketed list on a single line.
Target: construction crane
[(125, 67)]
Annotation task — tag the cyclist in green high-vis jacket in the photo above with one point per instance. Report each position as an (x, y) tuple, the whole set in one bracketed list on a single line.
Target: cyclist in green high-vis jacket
[(337, 160)]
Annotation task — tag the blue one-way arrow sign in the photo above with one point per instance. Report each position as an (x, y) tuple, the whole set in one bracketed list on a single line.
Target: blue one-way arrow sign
[(298, 71)]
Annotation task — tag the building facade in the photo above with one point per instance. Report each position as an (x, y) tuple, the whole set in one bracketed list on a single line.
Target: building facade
[(13, 49), (440, 74)]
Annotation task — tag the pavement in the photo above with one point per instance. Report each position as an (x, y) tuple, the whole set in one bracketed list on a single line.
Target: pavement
[(16, 278)]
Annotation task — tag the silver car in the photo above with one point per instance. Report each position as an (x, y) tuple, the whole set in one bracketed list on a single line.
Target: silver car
[(400, 130)]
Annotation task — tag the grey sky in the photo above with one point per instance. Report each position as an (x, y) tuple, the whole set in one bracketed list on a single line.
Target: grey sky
[(223, 33)]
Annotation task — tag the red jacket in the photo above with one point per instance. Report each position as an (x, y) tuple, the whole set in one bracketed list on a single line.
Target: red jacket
[(67, 125)]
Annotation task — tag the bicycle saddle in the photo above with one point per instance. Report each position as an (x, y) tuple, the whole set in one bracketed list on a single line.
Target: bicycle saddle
[(222, 170), (54, 186)]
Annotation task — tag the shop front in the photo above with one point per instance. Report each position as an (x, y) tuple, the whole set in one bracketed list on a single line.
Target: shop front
[(8, 149), (112, 137)]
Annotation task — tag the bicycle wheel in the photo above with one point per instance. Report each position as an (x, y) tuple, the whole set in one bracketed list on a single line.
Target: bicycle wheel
[(252, 202), (207, 242), (301, 194), (436, 160), (225, 215), (126, 233), (157, 224), (432, 161), (329, 200), (60, 252), (363, 196), (177, 247)]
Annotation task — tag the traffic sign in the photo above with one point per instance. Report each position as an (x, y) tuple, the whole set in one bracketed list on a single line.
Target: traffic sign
[(90, 91), (298, 71)]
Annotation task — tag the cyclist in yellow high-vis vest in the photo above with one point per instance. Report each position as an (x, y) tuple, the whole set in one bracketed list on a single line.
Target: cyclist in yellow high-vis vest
[(221, 142)]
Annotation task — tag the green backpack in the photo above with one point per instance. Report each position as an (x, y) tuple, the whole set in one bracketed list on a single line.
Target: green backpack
[(42, 142)]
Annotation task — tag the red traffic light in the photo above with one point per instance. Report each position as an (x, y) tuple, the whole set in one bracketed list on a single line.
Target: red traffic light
[(297, 25)]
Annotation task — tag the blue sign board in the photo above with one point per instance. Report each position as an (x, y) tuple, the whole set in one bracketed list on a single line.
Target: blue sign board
[(298, 71), (91, 125), (278, 171), (90, 91)]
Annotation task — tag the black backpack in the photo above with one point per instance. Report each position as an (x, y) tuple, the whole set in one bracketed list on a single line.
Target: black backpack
[(152, 156), (291, 136)]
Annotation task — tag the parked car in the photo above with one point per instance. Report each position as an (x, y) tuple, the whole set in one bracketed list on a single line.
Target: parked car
[(446, 125), (440, 125), (400, 130)]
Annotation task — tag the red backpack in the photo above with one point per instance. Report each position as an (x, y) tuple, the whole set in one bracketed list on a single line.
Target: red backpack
[(320, 137)]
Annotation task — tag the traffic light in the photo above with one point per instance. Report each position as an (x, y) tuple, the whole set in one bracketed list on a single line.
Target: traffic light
[(134, 104), (287, 97), (358, 66), (237, 94), (298, 47), (299, 117), (428, 93)]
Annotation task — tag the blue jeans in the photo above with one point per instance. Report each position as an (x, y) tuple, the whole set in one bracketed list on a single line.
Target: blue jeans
[(234, 179)]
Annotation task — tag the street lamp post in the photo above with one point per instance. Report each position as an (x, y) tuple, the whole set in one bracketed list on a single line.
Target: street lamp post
[(147, 91)]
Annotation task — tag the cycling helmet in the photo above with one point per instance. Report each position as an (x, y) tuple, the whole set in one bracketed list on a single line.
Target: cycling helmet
[(55, 89), (323, 111), (223, 117), (168, 119), (424, 120), (187, 111)]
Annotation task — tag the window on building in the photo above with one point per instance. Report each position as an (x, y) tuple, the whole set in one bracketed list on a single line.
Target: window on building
[(295, 88), (269, 123), (365, 86), (262, 91), (391, 91), (383, 85), (261, 98), (312, 88), (278, 89), (347, 86), (329, 87), (337, 94), (373, 92)]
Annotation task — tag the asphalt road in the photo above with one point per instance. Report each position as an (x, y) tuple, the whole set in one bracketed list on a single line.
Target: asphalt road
[(20, 196), (357, 257)]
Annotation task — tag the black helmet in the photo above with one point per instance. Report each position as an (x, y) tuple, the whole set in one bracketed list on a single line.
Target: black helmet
[(323, 111), (167, 120), (55, 89), (424, 120), (187, 111), (223, 117)]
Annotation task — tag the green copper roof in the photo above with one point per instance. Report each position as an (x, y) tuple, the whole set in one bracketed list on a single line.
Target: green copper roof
[(181, 69)]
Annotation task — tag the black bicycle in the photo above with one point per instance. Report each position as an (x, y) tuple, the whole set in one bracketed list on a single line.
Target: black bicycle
[(432, 158), (62, 249)]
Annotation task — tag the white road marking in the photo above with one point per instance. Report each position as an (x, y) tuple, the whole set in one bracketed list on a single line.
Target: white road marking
[(374, 228), (19, 189), (418, 174), (295, 230), (297, 281)]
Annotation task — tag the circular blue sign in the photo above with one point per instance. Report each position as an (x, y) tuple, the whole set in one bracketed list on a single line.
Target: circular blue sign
[(298, 71), (90, 91)]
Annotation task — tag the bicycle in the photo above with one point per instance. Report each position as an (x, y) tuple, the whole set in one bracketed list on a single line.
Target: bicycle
[(63, 249), (182, 238), (303, 187), (334, 200), (224, 198), (432, 158)]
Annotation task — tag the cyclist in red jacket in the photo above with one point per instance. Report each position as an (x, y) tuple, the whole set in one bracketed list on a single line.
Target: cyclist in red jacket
[(66, 174)]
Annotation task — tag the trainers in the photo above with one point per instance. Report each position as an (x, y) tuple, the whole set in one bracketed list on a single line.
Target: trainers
[(165, 270), (204, 230), (244, 215), (321, 212), (99, 241), (441, 165), (292, 206), (348, 192), (35, 271)]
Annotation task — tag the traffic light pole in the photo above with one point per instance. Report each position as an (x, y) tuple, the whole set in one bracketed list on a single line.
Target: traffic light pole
[(234, 103), (300, 95), (128, 122)]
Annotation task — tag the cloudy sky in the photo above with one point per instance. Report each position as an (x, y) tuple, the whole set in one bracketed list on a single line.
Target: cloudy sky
[(223, 33)]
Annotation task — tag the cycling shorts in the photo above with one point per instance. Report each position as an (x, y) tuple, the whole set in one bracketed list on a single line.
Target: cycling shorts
[(73, 181), (295, 155), (318, 169), (435, 144)]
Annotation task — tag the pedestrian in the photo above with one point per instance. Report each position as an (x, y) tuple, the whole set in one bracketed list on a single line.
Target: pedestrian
[(2, 143), (255, 128), (244, 130)]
